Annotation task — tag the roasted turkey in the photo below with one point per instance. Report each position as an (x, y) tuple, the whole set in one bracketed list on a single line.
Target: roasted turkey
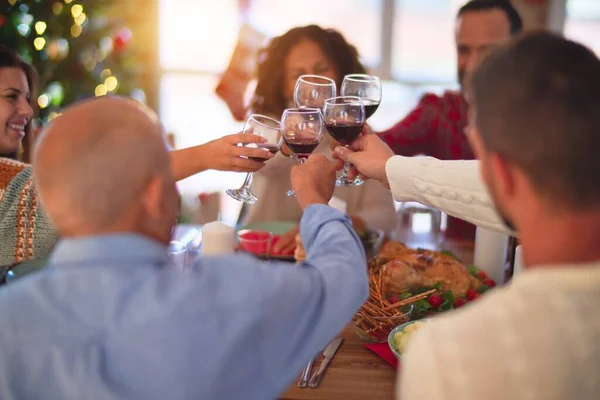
[(406, 269)]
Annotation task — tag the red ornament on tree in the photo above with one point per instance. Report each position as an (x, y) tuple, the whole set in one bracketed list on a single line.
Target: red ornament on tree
[(121, 39), (2, 20)]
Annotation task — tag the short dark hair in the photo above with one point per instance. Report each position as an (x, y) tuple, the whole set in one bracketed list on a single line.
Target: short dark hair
[(268, 97), (537, 103), (516, 23)]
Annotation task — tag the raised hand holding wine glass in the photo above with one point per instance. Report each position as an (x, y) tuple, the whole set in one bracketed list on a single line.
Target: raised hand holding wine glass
[(367, 87), (344, 118), (302, 132), (270, 129), (312, 90)]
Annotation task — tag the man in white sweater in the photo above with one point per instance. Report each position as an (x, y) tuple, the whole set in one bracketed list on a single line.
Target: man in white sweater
[(535, 126)]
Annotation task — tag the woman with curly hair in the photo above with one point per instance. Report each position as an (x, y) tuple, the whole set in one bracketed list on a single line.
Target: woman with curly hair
[(317, 51)]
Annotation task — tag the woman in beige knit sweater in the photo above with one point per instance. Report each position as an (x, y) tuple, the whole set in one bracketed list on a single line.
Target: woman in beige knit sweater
[(308, 50)]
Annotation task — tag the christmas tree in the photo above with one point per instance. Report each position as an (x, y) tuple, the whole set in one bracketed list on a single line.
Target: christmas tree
[(79, 47)]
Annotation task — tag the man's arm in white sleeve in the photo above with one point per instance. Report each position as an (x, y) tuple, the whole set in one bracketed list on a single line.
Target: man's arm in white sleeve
[(454, 187)]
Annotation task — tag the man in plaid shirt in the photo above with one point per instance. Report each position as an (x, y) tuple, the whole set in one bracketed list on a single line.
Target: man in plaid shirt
[(436, 126)]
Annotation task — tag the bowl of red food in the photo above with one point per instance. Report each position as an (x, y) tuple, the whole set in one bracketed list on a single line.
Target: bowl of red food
[(255, 242)]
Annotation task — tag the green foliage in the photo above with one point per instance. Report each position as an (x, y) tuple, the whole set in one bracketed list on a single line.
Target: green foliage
[(449, 253), (448, 297), (473, 270), (74, 45)]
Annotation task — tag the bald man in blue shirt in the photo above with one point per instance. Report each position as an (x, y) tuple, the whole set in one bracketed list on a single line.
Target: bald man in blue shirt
[(110, 319)]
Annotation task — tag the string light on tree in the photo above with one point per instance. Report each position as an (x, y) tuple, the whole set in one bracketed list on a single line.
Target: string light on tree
[(80, 19), (101, 90), (111, 83), (24, 22), (100, 55), (57, 49), (56, 92), (76, 10), (106, 44), (40, 27), (39, 43), (105, 73), (76, 30), (57, 8), (43, 101), (139, 95), (81, 48)]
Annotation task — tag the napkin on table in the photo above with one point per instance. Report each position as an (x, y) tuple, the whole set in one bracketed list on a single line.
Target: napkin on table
[(383, 351)]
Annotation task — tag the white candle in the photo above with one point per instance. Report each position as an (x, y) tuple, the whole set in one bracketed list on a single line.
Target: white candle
[(217, 238), (518, 266), (490, 253)]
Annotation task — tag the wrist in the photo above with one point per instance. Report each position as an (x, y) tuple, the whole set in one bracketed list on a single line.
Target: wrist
[(310, 199), (202, 158), (384, 175), (186, 162)]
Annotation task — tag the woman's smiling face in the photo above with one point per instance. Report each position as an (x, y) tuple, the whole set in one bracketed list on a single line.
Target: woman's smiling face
[(15, 110)]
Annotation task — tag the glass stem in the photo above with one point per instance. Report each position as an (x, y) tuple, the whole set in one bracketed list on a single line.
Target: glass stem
[(347, 167), (247, 182), (302, 160)]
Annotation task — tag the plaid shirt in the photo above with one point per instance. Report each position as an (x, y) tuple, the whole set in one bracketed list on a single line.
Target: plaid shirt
[(436, 128)]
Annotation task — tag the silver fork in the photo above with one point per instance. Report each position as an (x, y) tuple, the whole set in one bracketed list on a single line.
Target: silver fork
[(303, 382)]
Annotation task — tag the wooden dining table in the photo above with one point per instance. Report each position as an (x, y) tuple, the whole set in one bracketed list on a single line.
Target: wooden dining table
[(356, 372)]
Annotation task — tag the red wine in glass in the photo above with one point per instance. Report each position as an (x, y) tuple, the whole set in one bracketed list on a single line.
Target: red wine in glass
[(370, 107), (269, 129), (302, 130), (273, 149), (302, 147), (344, 120), (367, 87), (344, 133)]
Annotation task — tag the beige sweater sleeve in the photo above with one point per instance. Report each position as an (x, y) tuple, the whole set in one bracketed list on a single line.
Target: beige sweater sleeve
[(454, 187)]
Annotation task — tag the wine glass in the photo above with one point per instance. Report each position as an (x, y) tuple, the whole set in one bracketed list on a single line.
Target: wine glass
[(269, 129), (344, 119), (302, 132), (312, 90), (367, 87)]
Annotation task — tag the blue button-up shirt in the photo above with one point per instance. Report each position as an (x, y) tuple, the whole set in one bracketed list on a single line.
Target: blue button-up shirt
[(111, 319)]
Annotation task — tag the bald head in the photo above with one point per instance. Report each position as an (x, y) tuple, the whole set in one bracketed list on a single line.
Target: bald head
[(95, 164)]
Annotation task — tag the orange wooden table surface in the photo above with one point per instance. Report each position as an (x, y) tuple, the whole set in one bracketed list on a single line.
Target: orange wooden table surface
[(355, 372)]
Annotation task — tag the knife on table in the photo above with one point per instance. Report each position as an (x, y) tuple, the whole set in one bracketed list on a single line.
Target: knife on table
[(328, 356), (305, 374)]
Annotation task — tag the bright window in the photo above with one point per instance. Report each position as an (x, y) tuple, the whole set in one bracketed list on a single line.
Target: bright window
[(197, 35), (358, 20), (583, 23), (423, 41)]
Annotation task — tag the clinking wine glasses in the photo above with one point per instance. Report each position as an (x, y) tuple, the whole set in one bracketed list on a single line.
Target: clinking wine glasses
[(311, 91), (302, 132), (366, 87), (344, 118), (269, 129)]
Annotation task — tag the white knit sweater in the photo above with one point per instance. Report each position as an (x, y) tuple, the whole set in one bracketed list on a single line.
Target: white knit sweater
[(454, 187), (537, 338)]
